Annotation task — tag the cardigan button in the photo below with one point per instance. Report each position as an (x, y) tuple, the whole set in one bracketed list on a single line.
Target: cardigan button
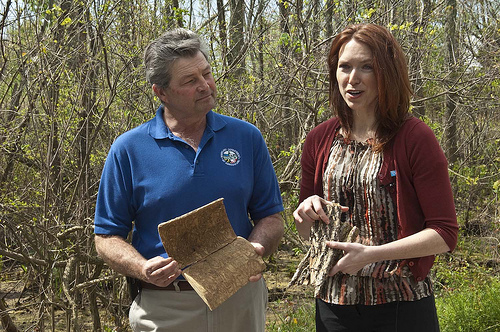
[(419, 278), (411, 263)]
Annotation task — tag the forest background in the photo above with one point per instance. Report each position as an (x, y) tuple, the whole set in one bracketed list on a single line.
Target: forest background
[(72, 80)]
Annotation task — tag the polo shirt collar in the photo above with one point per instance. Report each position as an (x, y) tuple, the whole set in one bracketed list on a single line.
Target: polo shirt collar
[(159, 130)]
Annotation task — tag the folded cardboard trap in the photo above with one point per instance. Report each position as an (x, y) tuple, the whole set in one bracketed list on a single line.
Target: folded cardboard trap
[(215, 261)]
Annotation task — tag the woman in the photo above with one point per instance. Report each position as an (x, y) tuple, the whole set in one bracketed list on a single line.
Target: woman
[(389, 173)]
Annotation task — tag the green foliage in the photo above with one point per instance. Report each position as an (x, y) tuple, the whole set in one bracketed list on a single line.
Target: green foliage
[(109, 329), (72, 81), (496, 187), (467, 286), (297, 251), (470, 309), (288, 153), (452, 275), (292, 316)]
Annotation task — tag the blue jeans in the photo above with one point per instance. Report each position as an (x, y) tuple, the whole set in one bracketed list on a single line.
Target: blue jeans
[(404, 316)]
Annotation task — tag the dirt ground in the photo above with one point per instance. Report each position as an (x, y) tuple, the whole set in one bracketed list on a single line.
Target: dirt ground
[(282, 299)]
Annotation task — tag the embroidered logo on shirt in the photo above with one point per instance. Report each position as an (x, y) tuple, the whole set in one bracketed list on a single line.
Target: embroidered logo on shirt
[(230, 157)]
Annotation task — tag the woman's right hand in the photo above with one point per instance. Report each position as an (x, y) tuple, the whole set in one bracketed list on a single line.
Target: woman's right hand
[(310, 210)]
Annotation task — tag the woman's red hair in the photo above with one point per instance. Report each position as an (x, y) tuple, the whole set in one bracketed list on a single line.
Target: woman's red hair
[(391, 72)]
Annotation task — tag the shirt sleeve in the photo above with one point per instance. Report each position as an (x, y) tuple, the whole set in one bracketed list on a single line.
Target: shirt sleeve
[(114, 213), (308, 167), (431, 181)]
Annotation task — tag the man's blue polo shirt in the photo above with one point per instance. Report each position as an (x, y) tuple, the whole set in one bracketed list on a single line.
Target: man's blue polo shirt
[(151, 176)]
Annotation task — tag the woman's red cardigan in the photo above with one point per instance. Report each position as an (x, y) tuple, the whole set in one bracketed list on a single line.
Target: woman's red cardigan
[(420, 185)]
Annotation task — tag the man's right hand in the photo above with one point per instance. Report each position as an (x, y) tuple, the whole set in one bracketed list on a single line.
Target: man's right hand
[(122, 257), (160, 271)]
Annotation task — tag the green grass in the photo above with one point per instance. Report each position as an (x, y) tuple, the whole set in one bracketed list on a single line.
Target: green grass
[(291, 316), (466, 309), (471, 309), (467, 296)]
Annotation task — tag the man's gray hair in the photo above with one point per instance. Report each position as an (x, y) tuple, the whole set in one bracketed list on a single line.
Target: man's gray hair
[(162, 52)]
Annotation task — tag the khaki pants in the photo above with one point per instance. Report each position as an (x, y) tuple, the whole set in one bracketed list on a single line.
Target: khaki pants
[(185, 311)]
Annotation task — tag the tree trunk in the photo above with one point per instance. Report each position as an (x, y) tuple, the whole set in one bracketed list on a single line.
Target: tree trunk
[(420, 17), (330, 7), (236, 58), (221, 19), (450, 136)]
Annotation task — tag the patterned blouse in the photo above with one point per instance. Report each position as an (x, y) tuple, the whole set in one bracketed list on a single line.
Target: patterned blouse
[(351, 179)]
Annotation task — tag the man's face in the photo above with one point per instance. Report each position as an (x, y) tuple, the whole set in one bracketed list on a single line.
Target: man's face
[(192, 91)]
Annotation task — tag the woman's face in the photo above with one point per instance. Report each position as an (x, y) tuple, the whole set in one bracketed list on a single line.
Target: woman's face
[(356, 77)]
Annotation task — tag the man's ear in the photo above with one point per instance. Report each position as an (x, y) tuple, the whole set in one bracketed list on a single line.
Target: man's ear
[(159, 92)]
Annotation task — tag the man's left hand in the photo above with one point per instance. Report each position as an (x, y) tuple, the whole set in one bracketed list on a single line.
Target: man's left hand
[(259, 249)]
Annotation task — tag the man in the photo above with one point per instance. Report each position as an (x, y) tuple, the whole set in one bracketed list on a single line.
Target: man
[(184, 158)]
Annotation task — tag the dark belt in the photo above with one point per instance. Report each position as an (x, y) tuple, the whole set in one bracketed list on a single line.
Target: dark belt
[(177, 285)]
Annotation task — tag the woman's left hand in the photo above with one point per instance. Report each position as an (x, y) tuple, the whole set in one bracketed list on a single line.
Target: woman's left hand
[(354, 259), (356, 256)]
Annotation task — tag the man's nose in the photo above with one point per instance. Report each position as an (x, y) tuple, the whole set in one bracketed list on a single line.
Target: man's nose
[(203, 85)]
